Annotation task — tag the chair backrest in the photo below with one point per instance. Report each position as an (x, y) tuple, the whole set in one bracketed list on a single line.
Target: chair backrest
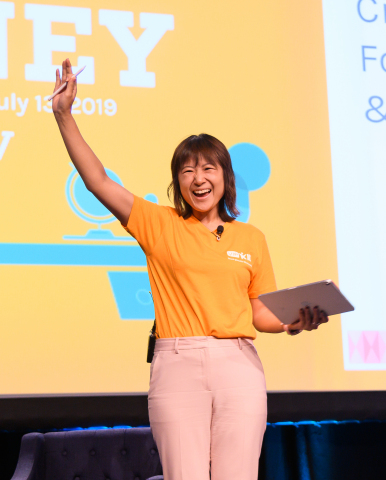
[(112, 454)]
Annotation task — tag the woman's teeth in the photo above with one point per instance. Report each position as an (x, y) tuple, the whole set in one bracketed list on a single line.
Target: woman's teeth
[(201, 193)]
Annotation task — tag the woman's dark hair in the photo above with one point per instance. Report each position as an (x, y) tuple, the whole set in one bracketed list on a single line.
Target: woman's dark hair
[(215, 152)]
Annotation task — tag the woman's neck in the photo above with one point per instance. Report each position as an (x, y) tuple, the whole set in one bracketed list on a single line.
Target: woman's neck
[(210, 219)]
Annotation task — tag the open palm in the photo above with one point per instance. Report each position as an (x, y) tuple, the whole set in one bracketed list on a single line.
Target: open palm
[(62, 102)]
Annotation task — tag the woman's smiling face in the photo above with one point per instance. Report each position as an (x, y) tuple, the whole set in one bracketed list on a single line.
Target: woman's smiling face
[(201, 184)]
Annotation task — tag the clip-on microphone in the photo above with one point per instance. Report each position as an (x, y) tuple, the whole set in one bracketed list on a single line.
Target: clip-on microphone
[(219, 231)]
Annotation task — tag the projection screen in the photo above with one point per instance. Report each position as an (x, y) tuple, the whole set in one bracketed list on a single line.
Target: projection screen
[(296, 91)]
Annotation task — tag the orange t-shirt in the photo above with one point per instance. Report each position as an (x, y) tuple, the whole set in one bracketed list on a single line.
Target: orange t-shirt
[(201, 286)]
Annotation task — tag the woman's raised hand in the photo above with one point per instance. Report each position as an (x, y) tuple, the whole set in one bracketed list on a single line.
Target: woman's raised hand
[(306, 321), (62, 102)]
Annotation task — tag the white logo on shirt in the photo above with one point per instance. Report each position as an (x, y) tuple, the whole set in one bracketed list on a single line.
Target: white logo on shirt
[(241, 257)]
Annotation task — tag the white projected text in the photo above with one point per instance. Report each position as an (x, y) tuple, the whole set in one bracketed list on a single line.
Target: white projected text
[(117, 22)]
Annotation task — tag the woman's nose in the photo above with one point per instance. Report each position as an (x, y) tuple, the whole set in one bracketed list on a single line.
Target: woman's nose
[(199, 177)]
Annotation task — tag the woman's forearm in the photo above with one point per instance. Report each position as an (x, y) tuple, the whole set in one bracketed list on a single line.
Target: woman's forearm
[(85, 161), (268, 324), (263, 319)]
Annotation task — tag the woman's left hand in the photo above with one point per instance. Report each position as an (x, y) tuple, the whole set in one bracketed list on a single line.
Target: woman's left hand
[(306, 321)]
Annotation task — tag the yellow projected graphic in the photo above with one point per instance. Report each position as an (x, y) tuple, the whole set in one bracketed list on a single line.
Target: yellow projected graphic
[(76, 309)]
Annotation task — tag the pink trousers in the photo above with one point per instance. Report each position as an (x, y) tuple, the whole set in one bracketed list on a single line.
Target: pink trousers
[(207, 407)]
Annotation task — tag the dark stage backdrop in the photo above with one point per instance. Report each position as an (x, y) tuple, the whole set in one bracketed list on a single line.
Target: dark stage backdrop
[(315, 447), (350, 450)]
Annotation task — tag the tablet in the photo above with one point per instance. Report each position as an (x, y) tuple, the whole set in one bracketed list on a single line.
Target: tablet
[(285, 304)]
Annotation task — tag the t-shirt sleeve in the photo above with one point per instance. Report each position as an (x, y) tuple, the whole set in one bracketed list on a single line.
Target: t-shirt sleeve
[(146, 223), (263, 278)]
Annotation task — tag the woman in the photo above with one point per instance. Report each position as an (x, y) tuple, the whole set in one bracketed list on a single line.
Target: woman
[(207, 396)]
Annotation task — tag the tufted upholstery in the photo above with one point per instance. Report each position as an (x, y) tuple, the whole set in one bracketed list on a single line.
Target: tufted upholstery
[(113, 454)]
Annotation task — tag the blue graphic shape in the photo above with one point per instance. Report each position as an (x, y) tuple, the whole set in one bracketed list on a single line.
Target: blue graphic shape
[(252, 170), (100, 234), (151, 198), (131, 293), (72, 255), (84, 204)]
